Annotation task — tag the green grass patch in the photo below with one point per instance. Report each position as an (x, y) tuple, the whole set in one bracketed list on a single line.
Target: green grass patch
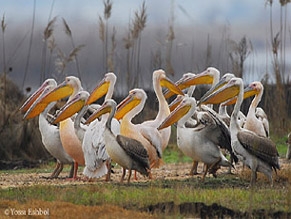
[(226, 191)]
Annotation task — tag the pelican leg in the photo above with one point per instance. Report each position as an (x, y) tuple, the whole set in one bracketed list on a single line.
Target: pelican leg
[(253, 177), (193, 170), (123, 174), (72, 170), (53, 175), (108, 175), (135, 175), (59, 170), (214, 167), (129, 175), (205, 172), (76, 165)]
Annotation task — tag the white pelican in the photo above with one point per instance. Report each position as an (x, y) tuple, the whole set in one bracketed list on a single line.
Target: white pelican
[(71, 143), (209, 76), (199, 143), (96, 157), (258, 153), (146, 128), (253, 123), (49, 133), (74, 105), (161, 80), (149, 136), (98, 162), (128, 153)]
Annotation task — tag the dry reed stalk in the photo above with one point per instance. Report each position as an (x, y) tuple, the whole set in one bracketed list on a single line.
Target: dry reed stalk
[(73, 55), (47, 34), (106, 14), (238, 54), (3, 27), (139, 23), (110, 61), (169, 43)]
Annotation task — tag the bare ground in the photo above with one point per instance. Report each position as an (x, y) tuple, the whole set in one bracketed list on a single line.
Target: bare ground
[(167, 172)]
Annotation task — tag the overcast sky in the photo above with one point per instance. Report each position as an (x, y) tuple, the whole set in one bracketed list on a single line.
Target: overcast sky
[(242, 17)]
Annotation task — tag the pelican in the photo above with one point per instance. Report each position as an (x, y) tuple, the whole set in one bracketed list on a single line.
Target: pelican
[(149, 136), (259, 125), (127, 152), (97, 160), (209, 76), (71, 143), (74, 105), (49, 133), (160, 79), (147, 129), (257, 152), (199, 143)]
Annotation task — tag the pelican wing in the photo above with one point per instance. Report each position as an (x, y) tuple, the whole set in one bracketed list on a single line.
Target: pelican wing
[(220, 132), (134, 149), (261, 147), (153, 136)]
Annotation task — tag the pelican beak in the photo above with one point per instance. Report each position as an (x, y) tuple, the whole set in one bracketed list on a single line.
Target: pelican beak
[(99, 91), (35, 110), (248, 92), (175, 102), (69, 109), (99, 112), (63, 90), (221, 95), (27, 104), (171, 86), (175, 115), (37, 106), (201, 78), (126, 105), (220, 84)]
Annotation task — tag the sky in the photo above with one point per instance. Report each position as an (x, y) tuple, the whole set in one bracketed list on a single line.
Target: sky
[(193, 20)]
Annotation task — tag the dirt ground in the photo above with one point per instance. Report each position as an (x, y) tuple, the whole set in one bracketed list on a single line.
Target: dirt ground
[(168, 171)]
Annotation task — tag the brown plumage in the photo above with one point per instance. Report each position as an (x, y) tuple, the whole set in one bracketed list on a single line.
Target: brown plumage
[(137, 152), (261, 147)]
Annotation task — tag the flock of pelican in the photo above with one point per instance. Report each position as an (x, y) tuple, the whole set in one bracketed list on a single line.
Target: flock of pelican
[(84, 133)]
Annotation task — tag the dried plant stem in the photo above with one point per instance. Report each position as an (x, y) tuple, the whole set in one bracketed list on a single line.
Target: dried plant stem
[(30, 45), (69, 33), (3, 27)]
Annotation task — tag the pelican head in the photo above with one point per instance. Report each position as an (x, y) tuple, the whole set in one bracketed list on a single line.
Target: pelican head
[(135, 97), (27, 104), (160, 77), (186, 76), (228, 91), (102, 88), (71, 107), (187, 106), (70, 86), (224, 80), (205, 77), (106, 107), (176, 102), (254, 88), (38, 106)]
